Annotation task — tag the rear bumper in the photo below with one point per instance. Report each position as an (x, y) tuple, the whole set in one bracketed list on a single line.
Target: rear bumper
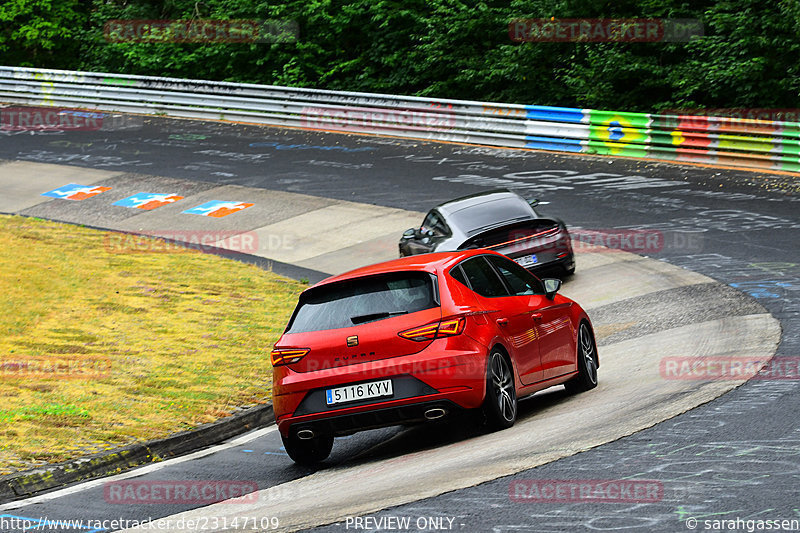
[(429, 379), (346, 424), (566, 263), (553, 254)]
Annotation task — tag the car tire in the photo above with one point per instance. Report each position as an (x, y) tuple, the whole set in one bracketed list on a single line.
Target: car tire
[(308, 452), (587, 362), (568, 270), (500, 404)]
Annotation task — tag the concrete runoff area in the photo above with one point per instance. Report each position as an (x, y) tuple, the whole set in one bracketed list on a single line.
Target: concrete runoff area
[(309, 231), (99, 210), (268, 207), (337, 226), (23, 183), (357, 255), (626, 276)]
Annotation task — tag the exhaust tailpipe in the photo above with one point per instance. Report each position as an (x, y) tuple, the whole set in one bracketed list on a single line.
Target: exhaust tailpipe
[(305, 434), (436, 412)]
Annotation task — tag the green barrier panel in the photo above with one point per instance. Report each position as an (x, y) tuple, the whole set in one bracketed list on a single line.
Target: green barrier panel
[(747, 144), (614, 148), (617, 130)]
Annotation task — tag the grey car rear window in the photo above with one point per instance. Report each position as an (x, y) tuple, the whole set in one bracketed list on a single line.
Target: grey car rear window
[(362, 300), (490, 213)]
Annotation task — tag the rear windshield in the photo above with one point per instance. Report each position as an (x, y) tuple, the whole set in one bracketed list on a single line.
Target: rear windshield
[(354, 302), (490, 213)]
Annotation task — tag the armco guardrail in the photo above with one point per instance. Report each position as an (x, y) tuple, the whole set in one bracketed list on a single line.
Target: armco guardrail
[(682, 138)]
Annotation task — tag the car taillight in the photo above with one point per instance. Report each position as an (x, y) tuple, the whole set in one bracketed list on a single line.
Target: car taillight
[(281, 356), (436, 330)]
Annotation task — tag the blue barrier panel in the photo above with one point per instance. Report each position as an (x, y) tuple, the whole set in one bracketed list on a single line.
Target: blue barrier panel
[(554, 114), (552, 143)]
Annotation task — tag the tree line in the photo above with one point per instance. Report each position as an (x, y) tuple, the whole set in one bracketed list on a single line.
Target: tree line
[(747, 57)]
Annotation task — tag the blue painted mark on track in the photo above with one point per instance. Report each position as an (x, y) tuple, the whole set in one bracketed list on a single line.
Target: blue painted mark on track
[(281, 146), (217, 208), (147, 200), (762, 289), (75, 191), (281, 451)]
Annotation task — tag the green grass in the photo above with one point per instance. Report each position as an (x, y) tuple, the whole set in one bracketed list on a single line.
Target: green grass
[(125, 346)]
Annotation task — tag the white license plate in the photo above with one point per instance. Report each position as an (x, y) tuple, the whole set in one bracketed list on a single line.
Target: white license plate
[(362, 391), (526, 260)]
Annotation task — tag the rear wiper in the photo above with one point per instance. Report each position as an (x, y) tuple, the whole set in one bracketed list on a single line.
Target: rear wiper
[(375, 316)]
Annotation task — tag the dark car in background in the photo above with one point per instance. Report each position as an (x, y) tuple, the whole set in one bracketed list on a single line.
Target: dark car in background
[(498, 220)]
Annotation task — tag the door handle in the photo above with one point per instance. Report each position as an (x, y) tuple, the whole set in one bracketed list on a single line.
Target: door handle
[(502, 322), (537, 316)]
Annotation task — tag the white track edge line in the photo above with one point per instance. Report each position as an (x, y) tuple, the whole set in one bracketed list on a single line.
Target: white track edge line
[(153, 467)]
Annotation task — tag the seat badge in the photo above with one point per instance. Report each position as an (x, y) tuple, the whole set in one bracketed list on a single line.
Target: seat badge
[(352, 341)]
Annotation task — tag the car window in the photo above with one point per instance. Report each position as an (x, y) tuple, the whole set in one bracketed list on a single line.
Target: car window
[(457, 274), (519, 280), (482, 277), (363, 300), (433, 221)]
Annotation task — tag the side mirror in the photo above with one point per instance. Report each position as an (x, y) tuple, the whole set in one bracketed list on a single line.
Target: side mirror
[(409, 233), (551, 286)]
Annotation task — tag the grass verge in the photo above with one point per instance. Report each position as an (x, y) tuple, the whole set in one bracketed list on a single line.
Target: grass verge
[(99, 349)]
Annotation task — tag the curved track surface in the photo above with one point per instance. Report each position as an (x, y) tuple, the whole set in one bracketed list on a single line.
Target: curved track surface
[(738, 228)]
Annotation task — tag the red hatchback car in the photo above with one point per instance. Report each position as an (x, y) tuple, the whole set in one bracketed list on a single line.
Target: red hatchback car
[(418, 338)]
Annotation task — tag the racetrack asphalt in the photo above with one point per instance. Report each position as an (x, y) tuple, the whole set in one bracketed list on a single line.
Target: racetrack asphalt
[(733, 457)]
